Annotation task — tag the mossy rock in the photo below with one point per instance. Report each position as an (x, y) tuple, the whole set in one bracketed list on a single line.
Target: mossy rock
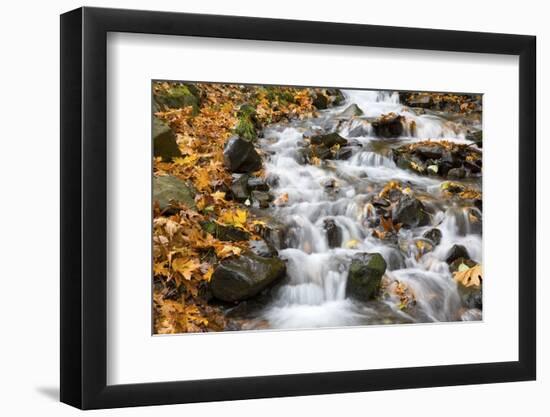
[(248, 124), (365, 273), (243, 277), (179, 96), (169, 189), (225, 233), (164, 141)]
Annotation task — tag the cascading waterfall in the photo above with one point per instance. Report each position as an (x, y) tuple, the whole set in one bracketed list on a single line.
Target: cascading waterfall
[(314, 293)]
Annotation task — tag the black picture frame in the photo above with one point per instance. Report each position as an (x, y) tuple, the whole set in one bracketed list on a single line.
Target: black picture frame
[(84, 207)]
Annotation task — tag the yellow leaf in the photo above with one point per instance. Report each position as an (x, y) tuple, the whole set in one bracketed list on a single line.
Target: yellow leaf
[(351, 244), (185, 267), (202, 179), (227, 250), (470, 277), (159, 268), (234, 218), (208, 274), (218, 196)]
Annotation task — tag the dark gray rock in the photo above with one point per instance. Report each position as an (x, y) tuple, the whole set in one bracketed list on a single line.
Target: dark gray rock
[(456, 173), (457, 251), (257, 184), (389, 126), (410, 212), (328, 140), (240, 156), (164, 141), (261, 198), (321, 152), (336, 97), (239, 187), (434, 235), (343, 153), (171, 189), (320, 101), (333, 232), (432, 152), (243, 277), (365, 273), (225, 233)]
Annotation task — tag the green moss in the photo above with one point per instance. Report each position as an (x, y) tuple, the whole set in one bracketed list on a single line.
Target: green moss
[(245, 129), (180, 96)]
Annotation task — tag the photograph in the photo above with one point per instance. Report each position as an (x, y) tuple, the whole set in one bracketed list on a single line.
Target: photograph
[(302, 207)]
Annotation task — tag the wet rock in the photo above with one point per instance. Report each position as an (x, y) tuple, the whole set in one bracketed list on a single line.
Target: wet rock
[(321, 152), (171, 189), (333, 232), (343, 153), (240, 156), (335, 96), (243, 277), (239, 187), (328, 140), (365, 273), (456, 251), (164, 141), (274, 233), (410, 212), (320, 101), (389, 126), (225, 233), (432, 152), (434, 235), (456, 173), (257, 184), (261, 198), (262, 248), (351, 111)]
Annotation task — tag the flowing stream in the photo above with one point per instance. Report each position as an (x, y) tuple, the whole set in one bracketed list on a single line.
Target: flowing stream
[(313, 294)]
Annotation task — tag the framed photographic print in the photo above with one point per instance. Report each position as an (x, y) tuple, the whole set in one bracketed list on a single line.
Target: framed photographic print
[(314, 207)]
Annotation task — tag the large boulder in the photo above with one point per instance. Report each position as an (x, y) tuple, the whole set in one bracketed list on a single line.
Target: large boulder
[(410, 212), (169, 189), (389, 125), (365, 273), (240, 156), (164, 141), (243, 277)]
